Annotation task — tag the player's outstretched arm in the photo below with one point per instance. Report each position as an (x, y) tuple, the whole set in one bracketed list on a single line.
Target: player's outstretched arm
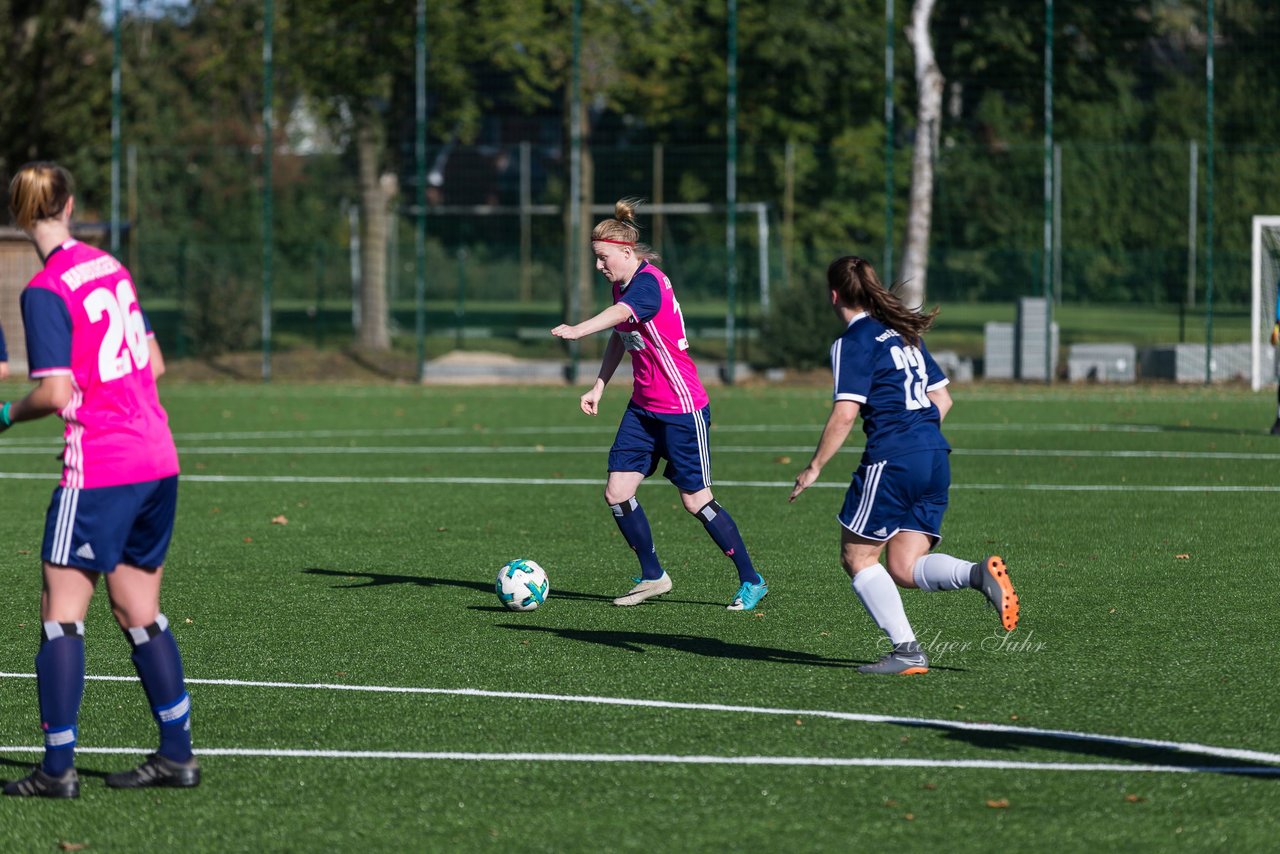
[(843, 414), (607, 319)]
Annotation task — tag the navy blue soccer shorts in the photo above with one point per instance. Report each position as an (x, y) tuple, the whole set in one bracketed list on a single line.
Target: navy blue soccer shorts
[(907, 493), (98, 528), (680, 438)]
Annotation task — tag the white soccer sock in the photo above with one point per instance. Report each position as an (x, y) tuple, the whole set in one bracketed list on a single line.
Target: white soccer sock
[(880, 597), (935, 572)]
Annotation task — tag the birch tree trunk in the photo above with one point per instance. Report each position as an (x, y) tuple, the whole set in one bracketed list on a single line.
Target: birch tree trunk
[(929, 83), (376, 193)]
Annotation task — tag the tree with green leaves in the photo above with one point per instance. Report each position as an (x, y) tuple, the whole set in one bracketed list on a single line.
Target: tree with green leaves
[(55, 92)]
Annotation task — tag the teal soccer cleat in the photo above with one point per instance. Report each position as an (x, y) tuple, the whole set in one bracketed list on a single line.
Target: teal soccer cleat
[(748, 596)]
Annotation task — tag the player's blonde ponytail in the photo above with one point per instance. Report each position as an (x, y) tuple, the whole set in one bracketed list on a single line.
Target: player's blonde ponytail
[(38, 191)]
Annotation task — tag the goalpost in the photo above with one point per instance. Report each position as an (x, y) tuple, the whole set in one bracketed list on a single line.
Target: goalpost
[(1264, 275)]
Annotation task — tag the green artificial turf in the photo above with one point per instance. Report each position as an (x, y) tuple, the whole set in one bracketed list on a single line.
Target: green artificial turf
[(348, 537)]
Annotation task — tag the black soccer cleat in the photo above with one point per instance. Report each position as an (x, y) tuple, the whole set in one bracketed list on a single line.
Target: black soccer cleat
[(38, 784), (1275, 428), (158, 771)]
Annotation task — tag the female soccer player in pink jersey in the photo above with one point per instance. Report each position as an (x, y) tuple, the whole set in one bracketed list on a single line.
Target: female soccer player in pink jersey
[(668, 416), (94, 360)]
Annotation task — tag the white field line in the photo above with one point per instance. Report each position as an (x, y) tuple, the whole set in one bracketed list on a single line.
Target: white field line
[(683, 759), (1190, 748), (600, 429), (403, 450), (608, 429), (599, 481)]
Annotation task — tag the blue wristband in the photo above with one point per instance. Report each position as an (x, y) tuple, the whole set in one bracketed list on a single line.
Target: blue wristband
[(4, 413)]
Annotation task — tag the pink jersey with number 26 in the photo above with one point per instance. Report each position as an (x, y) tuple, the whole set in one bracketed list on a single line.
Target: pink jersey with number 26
[(116, 430), (666, 379)]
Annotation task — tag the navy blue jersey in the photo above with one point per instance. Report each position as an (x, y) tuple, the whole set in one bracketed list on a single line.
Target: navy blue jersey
[(890, 380)]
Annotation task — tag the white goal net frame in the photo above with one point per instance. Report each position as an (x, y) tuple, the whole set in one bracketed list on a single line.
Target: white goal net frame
[(759, 210), (1262, 314)]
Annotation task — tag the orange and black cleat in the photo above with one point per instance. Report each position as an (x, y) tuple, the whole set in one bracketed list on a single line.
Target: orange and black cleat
[(995, 585)]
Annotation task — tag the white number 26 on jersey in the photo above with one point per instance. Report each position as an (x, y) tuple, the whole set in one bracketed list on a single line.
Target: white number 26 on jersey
[(910, 361), (124, 345)]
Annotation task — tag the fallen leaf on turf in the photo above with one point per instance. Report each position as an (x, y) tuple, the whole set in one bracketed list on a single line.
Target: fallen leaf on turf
[(72, 846), (1134, 799), (784, 460), (24, 551), (1183, 557), (188, 621), (998, 803), (890, 802), (441, 530), (279, 520), (1013, 717), (930, 786), (909, 817), (248, 539), (1112, 611), (799, 722)]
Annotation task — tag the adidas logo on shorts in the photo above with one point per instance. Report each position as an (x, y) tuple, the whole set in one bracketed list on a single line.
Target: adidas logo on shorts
[(86, 552)]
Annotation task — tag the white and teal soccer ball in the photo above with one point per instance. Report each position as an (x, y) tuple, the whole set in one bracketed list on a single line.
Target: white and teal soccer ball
[(522, 585)]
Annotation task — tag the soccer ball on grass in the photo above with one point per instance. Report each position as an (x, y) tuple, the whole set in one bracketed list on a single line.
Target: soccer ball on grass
[(522, 585)]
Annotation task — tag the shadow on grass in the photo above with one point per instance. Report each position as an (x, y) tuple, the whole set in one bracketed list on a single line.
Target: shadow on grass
[(693, 644), (377, 579), (362, 580), (1137, 751)]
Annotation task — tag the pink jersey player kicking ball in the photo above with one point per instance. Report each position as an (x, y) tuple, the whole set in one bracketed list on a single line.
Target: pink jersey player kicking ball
[(668, 417)]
